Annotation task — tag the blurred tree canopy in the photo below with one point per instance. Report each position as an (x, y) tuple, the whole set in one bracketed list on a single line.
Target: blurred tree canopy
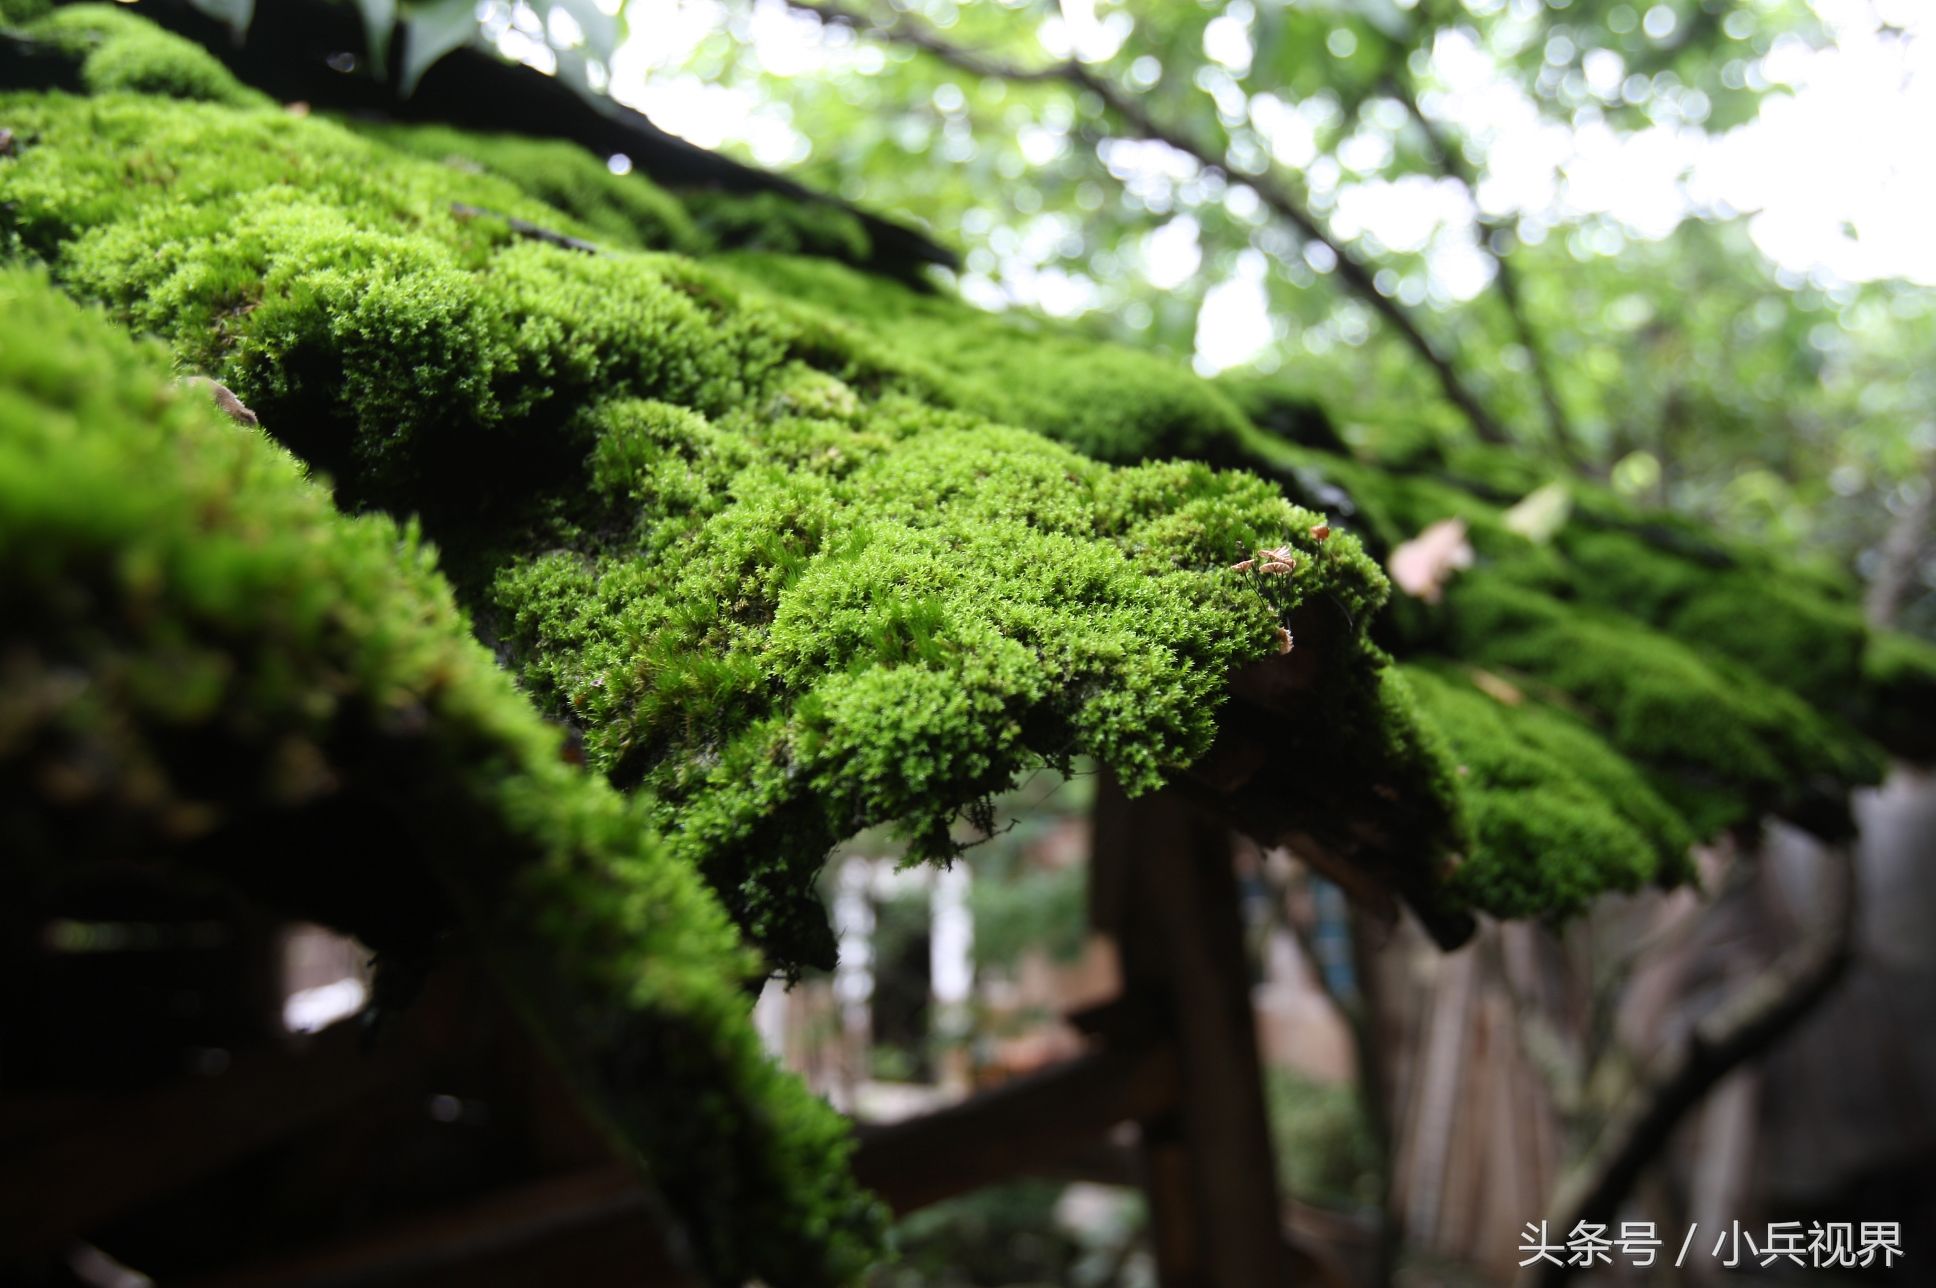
[(1676, 360)]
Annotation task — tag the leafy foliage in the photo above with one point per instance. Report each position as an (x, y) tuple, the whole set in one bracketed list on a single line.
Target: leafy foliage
[(1005, 1234), (1324, 1148), (1679, 362)]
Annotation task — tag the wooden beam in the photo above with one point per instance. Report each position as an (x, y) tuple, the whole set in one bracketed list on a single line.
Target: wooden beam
[(1172, 907), (586, 1229), (595, 1227), (1377, 842), (1175, 1225), (1025, 1127), (131, 1148)]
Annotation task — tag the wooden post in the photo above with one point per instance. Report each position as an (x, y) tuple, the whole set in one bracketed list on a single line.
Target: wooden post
[(1164, 890)]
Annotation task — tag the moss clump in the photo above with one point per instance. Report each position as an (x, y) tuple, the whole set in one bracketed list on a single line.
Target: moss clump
[(331, 283), (1724, 744), (1761, 616), (1557, 816), (769, 221), (756, 526), (622, 210), (733, 537), (123, 53), (877, 614), (201, 652), (1390, 508), (1682, 634), (1780, 622), (799, 552), (1282, 413), (1106, 401)]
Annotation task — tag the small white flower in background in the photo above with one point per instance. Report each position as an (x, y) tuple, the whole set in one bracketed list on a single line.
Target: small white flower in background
[(1421, 567)]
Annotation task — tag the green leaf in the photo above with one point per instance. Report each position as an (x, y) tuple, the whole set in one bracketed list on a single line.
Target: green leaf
[(600, 28), (379, 24), (1541, 513), (574, 69), (236, 14), (429, 32)]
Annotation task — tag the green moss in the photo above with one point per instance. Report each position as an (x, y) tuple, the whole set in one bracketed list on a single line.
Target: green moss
[(330, 282), (1557, 816), (199, 648), (762, 527), (735, 538), (1777, 621), (621, 210), (1764, 617), (1106, 401), (768, 221), (1282, 412), (1723, 744), (1667, 616), (1390, 508), (23, 11), (126, 53), (827, 624), (798, 552)]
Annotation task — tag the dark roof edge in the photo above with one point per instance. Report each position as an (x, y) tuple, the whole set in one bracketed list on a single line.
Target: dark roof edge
[(286, 54)]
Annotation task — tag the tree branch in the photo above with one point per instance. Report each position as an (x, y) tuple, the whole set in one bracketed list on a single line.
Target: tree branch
[(1452, 163), (1739, 1031), (1280, 196)]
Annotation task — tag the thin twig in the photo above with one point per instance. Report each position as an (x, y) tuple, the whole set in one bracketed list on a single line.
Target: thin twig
[(1739, 1031), (1491, 233), (526, 229)]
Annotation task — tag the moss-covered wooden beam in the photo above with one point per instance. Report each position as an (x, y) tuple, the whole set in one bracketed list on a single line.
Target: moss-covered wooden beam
[(794, 551), (787, 578), (207, 670), (765, 529)]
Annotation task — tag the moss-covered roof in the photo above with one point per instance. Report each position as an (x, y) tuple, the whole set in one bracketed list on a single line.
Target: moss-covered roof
[(205, 664), (783, 572), (795, 551)]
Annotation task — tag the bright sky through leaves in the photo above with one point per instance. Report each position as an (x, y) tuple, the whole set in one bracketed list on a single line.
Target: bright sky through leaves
[(1838, 173)]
